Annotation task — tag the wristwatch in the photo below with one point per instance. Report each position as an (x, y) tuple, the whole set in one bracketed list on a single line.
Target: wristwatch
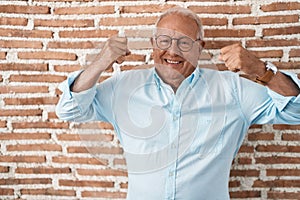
[(271, 71)]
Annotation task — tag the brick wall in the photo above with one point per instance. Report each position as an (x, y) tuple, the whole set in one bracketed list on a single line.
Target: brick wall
[(42, 41)]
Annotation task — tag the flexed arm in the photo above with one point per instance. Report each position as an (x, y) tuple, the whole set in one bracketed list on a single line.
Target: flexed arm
[(114, 50), (237, 58)]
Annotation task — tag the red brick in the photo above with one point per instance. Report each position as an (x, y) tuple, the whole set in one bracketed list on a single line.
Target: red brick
[(13, 21), (285, 126), (43, 170), (37, 78), (77, 183), (123, 185), (48, 191), (85, 137), (290, 137), (101, 172), (245, 194), (31, 101), (246, 149), (4, 169), (87, 33), (244, 161), (29, 112), (277, 160), (24, 89), (3, 124), (295, 53), (2, 55), (79, 160), (215, 44), (25, 136), (25, 33), (20, 44), (268, 54), (284, 66), (277, 148), (283, 195), (6, 191), (34, 147), (277, 183), (274, 19), (67, 68), (97, 150), (281, 31), (272, 42), (221, 9), (26, 181), (84, 10), (64, 23), (23, 67), (52, 115), (57, 125), (280, 6), (127, 21), (214, 21), (23, 159), (24, 9), (75, 45), (260, 136), (106, 195), (283, 172), (94, 125), (118, 161), (244, 173), (145, 8), (229, 33), (48, 55)]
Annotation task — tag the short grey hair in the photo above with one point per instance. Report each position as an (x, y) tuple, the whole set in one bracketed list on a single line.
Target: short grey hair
[(184, 12)]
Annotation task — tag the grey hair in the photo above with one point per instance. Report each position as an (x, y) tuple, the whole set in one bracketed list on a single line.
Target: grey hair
[(184, 12)]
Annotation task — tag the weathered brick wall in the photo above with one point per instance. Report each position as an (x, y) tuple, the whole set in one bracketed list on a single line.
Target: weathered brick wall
[(42, 41)]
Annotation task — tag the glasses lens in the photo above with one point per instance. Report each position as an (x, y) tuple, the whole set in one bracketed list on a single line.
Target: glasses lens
[(185, 44), (163, 41)]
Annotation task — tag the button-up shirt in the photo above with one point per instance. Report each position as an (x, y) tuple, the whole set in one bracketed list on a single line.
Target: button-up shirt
[(178, 145)]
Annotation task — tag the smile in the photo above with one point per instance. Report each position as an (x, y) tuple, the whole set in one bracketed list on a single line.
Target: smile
[(172, 61)]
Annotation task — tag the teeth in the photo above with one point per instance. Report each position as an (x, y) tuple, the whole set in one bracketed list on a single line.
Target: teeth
[(173, 62)]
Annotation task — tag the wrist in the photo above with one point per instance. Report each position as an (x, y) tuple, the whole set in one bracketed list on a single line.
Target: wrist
[(270, 71)]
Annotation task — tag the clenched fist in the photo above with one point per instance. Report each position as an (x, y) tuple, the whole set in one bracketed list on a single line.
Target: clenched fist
[(237, 58)]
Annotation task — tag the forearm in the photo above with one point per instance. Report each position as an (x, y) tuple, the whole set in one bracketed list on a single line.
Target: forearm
[(89, 77), (283, 85)]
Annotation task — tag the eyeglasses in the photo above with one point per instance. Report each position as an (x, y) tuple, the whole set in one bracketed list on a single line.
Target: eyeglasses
[(184, 44)]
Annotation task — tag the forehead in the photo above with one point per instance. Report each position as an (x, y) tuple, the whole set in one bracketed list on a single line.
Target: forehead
[(178, 24)]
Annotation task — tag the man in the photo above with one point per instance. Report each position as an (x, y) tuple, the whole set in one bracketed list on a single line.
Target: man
[(180, 126)]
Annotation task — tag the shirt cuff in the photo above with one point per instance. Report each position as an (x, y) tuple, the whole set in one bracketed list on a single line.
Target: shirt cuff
[(82, 98), (282, 101)]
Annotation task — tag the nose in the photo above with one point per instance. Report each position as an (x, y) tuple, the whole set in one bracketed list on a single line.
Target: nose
[(174, 50)]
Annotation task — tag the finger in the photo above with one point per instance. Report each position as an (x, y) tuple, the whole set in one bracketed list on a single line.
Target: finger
[(227, 49)]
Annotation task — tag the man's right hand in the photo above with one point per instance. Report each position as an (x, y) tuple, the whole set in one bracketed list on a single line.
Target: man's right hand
[(114, 50)]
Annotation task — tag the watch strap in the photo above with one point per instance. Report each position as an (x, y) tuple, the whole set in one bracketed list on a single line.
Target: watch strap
[(265, 78)]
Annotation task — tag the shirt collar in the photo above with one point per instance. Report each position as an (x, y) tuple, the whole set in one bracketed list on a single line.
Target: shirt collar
[(191, 79)]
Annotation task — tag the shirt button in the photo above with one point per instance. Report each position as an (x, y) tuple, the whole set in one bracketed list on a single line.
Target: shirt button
[(171, 173), (175, 118), (173, 146)]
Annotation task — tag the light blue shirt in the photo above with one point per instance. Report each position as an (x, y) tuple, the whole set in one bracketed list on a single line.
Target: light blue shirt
[(178, 145)]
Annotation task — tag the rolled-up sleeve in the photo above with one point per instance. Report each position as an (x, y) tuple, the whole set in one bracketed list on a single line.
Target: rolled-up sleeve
[(77, 107), (261, 105)]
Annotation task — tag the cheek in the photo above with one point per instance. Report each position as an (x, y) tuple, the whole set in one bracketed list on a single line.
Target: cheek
[(157, 54)]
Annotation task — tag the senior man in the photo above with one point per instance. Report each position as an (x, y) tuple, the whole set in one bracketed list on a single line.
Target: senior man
[(180, 125)]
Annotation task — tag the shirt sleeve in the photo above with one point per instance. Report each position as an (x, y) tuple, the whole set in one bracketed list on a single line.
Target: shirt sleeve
[(261, 105), (88, 105)]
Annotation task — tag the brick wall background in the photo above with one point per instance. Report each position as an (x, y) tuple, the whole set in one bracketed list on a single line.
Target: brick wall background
[(42, 41)]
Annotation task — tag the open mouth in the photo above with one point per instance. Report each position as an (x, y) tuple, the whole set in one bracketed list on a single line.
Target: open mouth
[(173, 62)]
